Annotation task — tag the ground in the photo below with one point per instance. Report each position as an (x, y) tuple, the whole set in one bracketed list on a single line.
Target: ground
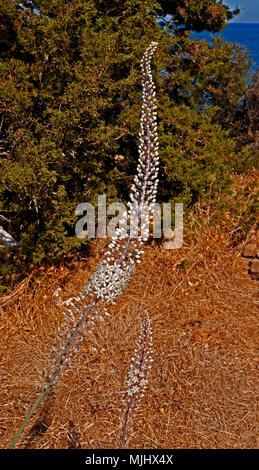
[(202, 391)]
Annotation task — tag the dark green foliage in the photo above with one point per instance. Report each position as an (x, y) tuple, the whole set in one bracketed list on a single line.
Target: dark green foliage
[(248, 118), (198, 15), (243, 119), (70, 105), (198, 156)]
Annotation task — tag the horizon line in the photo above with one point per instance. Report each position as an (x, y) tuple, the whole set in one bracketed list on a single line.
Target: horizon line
[(243, 22)]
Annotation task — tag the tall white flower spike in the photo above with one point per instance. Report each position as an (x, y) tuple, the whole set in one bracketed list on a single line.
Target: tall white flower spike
[(80, 313), (125, 249), (138, 374)]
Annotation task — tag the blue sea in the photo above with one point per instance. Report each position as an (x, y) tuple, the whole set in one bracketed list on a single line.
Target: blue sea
[(246, 34)]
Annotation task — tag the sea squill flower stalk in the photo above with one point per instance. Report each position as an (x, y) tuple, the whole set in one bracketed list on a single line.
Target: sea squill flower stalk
[(138, 374), (114, 272)]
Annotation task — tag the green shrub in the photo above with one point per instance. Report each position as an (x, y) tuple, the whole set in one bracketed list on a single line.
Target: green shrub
[(70, 105)]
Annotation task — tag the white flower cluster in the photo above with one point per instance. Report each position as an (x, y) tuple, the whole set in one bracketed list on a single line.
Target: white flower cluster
[(125, 250), (109, 280), (116, 269), (114, 272), (137, 377), (144, 188)]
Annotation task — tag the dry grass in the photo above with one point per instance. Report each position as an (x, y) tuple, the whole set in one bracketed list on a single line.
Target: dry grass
[(202, 390)]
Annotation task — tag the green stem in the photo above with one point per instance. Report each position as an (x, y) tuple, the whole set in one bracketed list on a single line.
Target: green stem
[(55, 373), (25, 421)]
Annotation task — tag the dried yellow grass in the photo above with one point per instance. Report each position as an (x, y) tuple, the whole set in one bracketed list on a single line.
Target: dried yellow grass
[(202, 390)]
